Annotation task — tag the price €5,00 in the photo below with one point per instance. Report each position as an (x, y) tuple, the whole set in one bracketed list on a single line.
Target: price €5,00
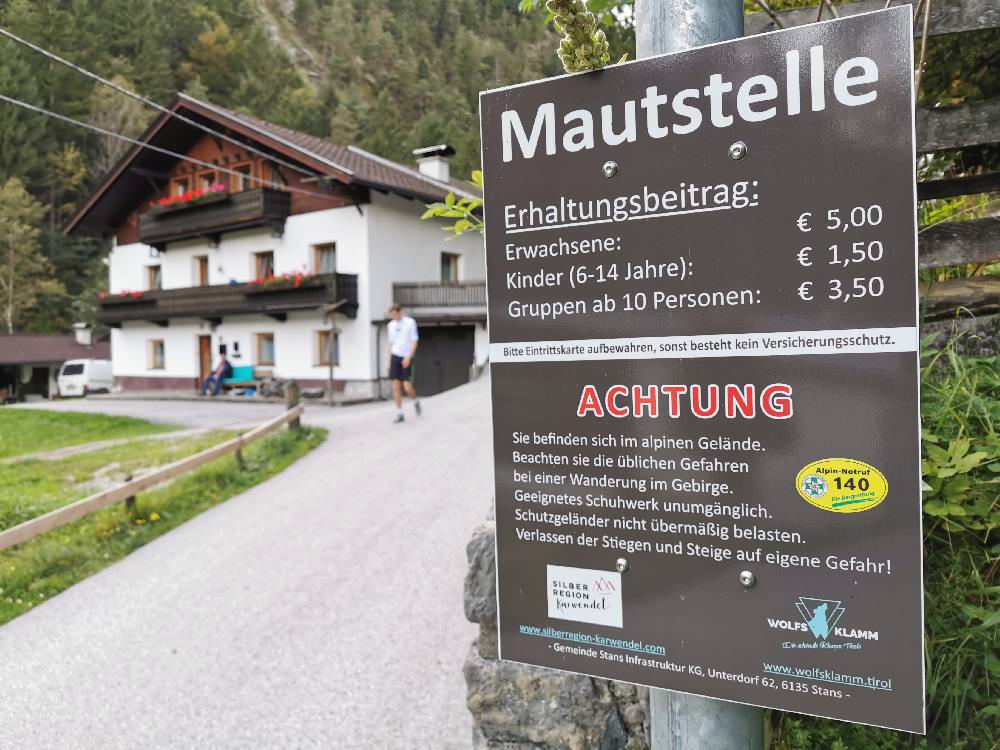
[(841, 220)]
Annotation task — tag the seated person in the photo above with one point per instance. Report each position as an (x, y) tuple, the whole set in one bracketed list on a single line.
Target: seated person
[(214, 381)]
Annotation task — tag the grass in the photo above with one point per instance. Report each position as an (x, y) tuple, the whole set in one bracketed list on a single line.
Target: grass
[(30, 488), (54, 561), (961, 442), (35, 430)]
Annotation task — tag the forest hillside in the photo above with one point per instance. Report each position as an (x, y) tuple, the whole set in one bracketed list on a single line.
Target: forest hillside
[(387, 75)]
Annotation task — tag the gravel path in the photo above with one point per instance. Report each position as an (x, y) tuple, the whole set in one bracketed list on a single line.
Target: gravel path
[(321, 609)]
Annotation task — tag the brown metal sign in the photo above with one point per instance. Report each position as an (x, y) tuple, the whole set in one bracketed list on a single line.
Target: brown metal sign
[(702, 301)]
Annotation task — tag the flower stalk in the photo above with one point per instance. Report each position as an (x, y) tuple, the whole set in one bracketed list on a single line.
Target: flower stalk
[(583, 46)]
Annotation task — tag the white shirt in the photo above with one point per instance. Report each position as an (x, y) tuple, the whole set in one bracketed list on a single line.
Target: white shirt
[(402, 335)]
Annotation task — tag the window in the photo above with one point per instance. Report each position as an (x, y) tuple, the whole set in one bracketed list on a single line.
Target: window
[(275, 177), (242, 180), (206, 180), (449, 267), (263, 265), (73, 369), (157, 358), (154, 279), (265, 348), (327, 348), (200, 275), (325, 258), (180, 186)]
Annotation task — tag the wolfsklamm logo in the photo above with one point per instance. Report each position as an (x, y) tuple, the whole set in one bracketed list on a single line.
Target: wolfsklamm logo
[(820, 615), (820, 618)]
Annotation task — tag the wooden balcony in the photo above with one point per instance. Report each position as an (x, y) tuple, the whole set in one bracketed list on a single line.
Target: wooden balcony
[(214, 215), (440, 294), (273, 298)]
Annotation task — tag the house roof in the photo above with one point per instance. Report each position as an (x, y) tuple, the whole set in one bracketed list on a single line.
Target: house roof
[(43, 349), (127, 183)]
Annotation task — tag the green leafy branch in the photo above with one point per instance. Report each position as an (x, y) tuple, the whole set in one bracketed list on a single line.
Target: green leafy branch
[(465, 211)]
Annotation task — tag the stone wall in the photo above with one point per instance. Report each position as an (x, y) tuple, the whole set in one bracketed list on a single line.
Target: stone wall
[(519, 707)]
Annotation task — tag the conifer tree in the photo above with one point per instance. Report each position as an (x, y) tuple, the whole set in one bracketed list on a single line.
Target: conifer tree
[(25, 274)]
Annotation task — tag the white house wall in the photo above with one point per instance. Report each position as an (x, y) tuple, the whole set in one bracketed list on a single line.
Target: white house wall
[(232, 261), (403, 248), (295, 347), (384, 243)]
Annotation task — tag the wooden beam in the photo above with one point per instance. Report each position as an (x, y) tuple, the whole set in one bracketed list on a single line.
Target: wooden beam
[(151, 173), (941, 300), (980, 183), (947, 16), (972, 124), (973, 336), (956, 242)]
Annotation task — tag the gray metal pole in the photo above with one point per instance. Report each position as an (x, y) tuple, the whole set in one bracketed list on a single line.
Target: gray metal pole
[(679, 721)]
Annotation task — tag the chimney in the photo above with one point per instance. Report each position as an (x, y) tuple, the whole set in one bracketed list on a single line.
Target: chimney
[(84, 334), (432, 161)]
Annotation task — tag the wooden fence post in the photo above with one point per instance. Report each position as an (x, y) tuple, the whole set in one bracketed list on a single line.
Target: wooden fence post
[(130, 510), (291, 401)]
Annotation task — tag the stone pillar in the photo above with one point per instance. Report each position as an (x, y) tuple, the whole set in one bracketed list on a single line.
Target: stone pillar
[(520, 707)]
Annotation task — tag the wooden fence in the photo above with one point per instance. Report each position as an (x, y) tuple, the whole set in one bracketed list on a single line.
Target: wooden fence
[(941, 129), (127, 492)]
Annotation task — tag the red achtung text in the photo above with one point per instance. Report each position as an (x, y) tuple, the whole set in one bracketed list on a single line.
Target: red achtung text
[(732, 401)]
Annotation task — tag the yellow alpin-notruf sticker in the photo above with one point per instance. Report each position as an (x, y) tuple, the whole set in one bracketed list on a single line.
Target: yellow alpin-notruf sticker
[(842, 485)]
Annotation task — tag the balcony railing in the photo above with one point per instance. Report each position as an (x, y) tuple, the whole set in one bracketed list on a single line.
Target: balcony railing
[(440, 294), (275, 298), (212, 216)]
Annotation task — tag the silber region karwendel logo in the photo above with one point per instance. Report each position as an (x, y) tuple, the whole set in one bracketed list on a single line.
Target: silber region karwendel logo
[(584, 595)]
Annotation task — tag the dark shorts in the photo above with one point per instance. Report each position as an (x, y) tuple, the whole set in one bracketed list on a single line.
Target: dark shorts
[(396, 369)]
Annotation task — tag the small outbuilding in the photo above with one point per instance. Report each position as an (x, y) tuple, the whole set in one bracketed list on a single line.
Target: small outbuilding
[(29, 362)]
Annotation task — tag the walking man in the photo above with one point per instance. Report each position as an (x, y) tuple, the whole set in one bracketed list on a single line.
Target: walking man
[(403, 338)]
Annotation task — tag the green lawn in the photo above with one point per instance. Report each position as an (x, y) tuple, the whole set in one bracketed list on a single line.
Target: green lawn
[(44, 566), (35, 430)]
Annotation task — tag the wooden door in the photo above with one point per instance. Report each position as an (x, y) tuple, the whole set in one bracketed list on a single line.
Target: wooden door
[(444, 357), (204, 358)]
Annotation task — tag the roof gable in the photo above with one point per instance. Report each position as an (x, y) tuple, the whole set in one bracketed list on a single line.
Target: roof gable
[(123, 190), (26, 348)]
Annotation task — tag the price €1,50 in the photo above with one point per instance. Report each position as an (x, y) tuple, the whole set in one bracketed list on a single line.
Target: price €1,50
[(858, 252)]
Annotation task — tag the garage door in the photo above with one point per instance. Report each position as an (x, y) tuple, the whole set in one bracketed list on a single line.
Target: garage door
[(444, 357)]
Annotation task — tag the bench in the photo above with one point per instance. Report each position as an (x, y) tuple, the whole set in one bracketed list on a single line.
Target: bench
[(242, 377)]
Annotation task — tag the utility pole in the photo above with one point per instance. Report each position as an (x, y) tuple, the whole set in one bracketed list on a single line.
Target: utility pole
[(679, 721)]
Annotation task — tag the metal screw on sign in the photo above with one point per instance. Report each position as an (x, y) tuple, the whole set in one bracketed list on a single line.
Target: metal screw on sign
[(610, 168), (622, 565), (747, 579), (738, 150)]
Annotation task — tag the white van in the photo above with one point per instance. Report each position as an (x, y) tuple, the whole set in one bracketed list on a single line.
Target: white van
[(78, 377)]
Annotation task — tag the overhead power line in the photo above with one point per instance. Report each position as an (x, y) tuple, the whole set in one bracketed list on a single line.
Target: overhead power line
[(158, 149), (150, 103)]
